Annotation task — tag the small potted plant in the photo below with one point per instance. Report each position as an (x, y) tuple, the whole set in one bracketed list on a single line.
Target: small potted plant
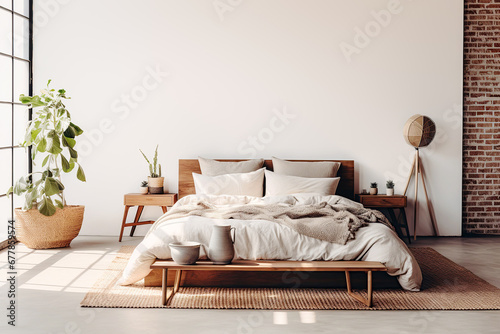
[(143, 189), (155, 180), (373, 188), (390, 187)]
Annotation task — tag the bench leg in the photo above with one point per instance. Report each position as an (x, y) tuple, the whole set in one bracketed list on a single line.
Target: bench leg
[(367, 302), (164, 287), (177, 282)]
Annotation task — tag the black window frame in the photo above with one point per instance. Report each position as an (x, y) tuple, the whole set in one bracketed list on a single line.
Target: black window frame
[(13, 102)]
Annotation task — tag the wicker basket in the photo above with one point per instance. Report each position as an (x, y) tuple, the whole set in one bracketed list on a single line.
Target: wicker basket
[(37, 231)]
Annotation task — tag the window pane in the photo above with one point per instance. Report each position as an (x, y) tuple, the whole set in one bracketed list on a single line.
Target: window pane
[(5, 78), (5, 170), (20, 123), (21, 37), (21, 78), (5, 32), (5, 216), (20, 169), (22, 7), (5, 126), (6, 3)]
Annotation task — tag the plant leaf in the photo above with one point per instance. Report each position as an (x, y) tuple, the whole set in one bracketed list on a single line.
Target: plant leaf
[(20, 186), (80, 174), (78, 130), (68, 142), (51, 186), (46, 207), (65, 164), (54, 145), (42, 145), (45, 160), (10, 191), (70, 131), (73, 153), (59, 204)]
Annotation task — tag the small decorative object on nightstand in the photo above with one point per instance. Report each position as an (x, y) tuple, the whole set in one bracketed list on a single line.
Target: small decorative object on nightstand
[(387, 204), (373, 188), (140, 200), (390, 188), (155, 180), (143, 189)]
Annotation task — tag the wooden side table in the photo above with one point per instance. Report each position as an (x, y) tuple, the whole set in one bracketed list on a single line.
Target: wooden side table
[(388, 204), (140, 200)]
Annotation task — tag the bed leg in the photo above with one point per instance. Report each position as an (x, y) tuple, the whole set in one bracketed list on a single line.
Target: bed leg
[(367, 302)]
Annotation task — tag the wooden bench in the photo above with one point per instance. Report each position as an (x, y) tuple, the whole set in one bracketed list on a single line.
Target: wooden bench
[(346, 266)]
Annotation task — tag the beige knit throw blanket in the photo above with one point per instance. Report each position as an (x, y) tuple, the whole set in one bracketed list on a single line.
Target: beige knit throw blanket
[(332, 223)]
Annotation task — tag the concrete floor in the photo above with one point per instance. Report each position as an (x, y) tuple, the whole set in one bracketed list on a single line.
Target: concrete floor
[(51, 284)]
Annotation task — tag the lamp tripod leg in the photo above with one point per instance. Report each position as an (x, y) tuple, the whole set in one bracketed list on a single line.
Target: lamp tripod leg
[(429, 205), (416, 168), (409, 176)]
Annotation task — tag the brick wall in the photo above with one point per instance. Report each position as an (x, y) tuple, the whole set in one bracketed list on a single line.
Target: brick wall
[(481, 145)]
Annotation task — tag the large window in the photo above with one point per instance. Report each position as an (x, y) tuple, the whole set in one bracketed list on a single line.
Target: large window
[(16, 55)]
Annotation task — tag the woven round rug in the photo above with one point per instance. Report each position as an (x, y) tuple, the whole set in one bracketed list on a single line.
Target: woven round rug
[(446, 286)]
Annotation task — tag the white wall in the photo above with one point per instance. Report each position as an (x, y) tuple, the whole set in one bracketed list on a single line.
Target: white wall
[(228, 78)]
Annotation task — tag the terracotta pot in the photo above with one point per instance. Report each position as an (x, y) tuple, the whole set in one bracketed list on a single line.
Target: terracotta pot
[(37, 231), (390, 192), (373, 191), (143, 190), (155, 185)]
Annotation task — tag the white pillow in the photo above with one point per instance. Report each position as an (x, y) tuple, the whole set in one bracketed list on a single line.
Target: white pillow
[(306, 168), (249, 184), (212, 167), (279, 185)]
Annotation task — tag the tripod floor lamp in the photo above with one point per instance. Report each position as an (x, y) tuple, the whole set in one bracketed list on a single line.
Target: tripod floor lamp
[(419, 132)]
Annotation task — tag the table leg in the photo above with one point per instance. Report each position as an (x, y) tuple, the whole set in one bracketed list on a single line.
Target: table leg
[(395, 222), (136, 219), (123, 222), (177, 281), (164, 208), (370, 288), (405, 224)]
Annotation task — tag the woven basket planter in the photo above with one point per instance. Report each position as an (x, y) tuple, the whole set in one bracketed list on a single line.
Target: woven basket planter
[(37, 231)]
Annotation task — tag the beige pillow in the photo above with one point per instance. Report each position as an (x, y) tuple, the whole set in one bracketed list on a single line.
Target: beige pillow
[(306, 169), (249, 184), (212, 167), (279, 185)]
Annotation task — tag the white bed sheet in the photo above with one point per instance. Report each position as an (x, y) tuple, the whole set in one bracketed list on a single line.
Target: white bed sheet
[(258, 239)]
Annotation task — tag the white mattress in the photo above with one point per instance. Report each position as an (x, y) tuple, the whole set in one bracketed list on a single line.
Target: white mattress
[(258, 239)]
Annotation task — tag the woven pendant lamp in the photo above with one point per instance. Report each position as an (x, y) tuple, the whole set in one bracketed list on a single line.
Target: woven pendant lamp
[(419, 131)]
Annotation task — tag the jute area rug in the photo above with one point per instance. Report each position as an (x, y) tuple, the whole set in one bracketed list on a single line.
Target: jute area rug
[(446, 286)]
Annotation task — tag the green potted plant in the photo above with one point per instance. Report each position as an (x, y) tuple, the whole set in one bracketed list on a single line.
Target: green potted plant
[(390, 187), (143, 189), (155, 180), (45, 220), (373, 188)]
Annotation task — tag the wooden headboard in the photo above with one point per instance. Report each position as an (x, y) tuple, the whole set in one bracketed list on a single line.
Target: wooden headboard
[(189, 166)]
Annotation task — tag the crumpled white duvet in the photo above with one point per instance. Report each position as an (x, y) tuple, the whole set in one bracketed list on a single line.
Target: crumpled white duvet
[(259, 239)]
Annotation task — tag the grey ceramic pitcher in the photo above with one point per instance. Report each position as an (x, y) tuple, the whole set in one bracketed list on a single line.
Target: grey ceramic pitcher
[(221, 248)]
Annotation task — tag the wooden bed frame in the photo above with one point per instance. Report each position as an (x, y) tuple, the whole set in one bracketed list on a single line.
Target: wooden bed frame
[(189, 166), (318, 279)]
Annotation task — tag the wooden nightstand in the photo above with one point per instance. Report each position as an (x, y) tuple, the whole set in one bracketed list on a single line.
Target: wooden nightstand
[(140, 200), (387, 204)]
